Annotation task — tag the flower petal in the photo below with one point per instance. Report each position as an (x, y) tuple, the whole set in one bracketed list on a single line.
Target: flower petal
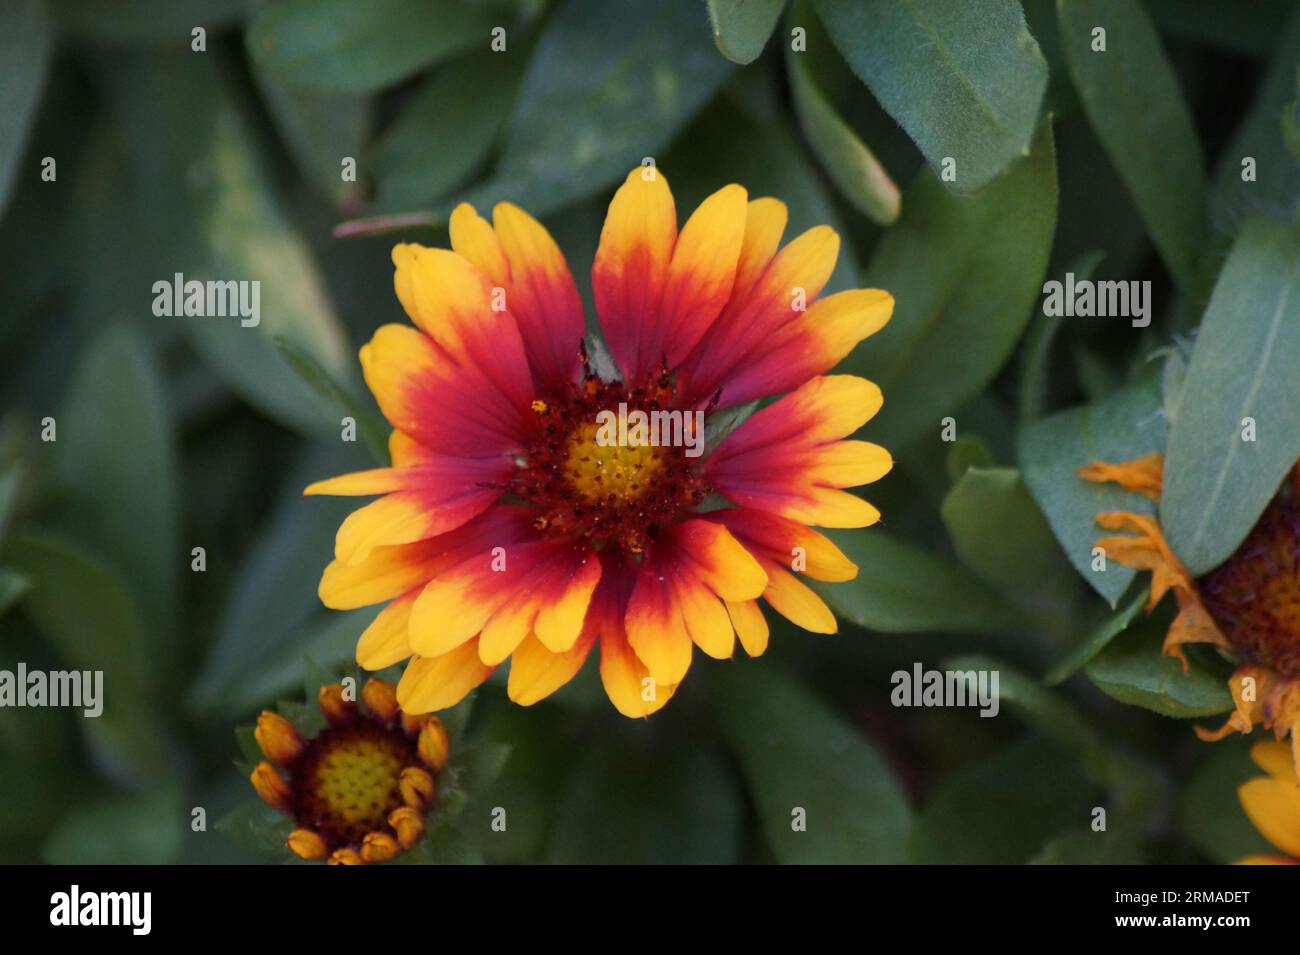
[(500, 590), (404, 517), (765, 221), (789, 284), (631, 268), (676, 599), (1274, 807), (452, 302), (788, 543), (786, 459), (442, 406), (810, 344), (700, 277), (750, 625), (542, 296), (386, 640), (436, 683), (628, 683), (1274, 757), (796, 601), (474, 239), (387, 572), (536, 672)]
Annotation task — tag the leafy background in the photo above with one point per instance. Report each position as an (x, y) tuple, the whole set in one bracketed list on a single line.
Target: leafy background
[(177, 433)]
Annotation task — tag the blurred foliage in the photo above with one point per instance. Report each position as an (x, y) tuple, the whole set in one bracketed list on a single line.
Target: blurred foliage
[(966, 152)]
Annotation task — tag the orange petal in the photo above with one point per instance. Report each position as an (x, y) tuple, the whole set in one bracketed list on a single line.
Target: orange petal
[(1274, 807), (628, 683), (436, 683), (536, 672), (631, 267), (1144, 475), (386, 640), (700, 276), (542, 295)]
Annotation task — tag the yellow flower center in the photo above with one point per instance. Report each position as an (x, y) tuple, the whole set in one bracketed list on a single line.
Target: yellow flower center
[(610, 472), (600, 466), (1254, 596), (347, 781)]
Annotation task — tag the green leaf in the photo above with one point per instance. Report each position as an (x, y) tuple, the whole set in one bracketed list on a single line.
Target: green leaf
[(963, 80), (902, 589), (1083, 846), (726, 144), (1126, 425), (1133, 101), (1210, 812), (11, 486), (1251, 29), (623, 805), (84, 610), (798, 755), (1047, 713), (136, 830), (1275, 188), (1097, 638), (344, 47), (249, 236), (741, 27), (531, 784), (966, 274), (446, 131), (853, 168), (1036, 353), (273, 614), (1002, 537), (91, 621), (371, 426), (1218, 482), (1003, 810), (115, 438), (25, 44), (13, 586), (143, 21), (1291, 128), (598, 97), (1132, 785), (1044, 711), (968, 451), (218, 218), (320, 130), (1134, 670), (476, 767), (255, 825), (329, 638)]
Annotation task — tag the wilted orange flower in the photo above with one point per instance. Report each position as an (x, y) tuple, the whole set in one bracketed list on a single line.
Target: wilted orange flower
[(532, 510), (1248, 606)]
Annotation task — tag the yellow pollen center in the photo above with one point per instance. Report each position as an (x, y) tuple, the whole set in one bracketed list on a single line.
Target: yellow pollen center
[(350, 784), (611, 463)]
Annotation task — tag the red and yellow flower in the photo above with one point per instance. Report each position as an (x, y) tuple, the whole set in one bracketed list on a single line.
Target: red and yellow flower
[(359, 789), (506, 528), (1273, 803), (1248, 606)]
